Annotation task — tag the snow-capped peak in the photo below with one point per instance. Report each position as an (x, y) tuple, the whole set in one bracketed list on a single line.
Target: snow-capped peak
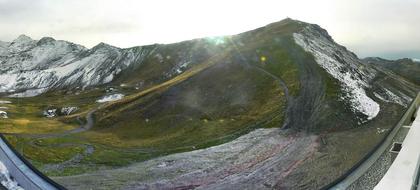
[(103, 45), (22, 39), (46, 40), (22, 43)]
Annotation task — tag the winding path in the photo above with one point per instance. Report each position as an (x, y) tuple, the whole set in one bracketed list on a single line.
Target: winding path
[(83, 127), (27, 175)]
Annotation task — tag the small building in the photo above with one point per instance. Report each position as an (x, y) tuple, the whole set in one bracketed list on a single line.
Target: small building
[(50, 113)]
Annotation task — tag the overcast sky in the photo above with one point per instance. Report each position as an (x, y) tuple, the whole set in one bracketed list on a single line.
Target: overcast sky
[(386, 28)]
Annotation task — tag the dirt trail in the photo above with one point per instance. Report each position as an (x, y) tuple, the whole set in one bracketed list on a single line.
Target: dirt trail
[(84, 126), (286, 92), (278, 79)]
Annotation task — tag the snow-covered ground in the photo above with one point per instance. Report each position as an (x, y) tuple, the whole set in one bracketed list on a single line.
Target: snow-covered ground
[(110, 98), (343, 66), (6, 180)]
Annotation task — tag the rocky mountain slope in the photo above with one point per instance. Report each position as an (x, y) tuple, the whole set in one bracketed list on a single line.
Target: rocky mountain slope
[(35, 66), (32, 67), (328, 108)]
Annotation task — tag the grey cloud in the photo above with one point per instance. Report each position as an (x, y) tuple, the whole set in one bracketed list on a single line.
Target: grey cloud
[(94, 27), (21, 9)]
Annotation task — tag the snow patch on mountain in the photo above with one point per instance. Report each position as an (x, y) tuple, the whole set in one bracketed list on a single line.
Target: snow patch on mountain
[(29, 93), (110, 98), (389, 96), (343, 66)]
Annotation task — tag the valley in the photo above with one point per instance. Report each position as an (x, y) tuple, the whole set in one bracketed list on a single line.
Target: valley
[(282, 106)]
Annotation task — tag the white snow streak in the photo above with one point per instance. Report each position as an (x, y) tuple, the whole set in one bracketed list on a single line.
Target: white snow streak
[(110, 98), (392, 97), (29, 93), (352, 83)]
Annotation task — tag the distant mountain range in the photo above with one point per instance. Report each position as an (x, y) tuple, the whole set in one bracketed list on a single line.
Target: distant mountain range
[(407, 68)]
